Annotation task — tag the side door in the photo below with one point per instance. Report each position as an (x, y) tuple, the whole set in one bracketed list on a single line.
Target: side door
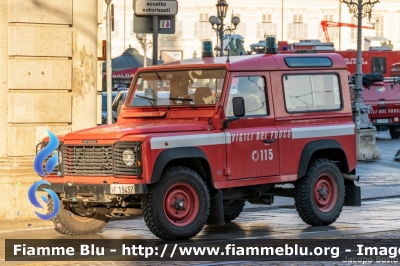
[(252, 148)]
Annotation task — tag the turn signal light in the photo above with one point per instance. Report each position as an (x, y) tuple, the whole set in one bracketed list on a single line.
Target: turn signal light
[(139, 164)]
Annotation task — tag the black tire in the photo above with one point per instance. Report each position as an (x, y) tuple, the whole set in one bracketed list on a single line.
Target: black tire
[(159, 204), (67, 221), (232, 209), (323, 176), (394, 132)]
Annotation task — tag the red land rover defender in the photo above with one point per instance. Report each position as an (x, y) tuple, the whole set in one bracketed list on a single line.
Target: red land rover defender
[(198, 138), (384, 97)]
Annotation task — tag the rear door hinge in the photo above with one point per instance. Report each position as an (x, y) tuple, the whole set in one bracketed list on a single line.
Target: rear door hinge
[(227, 171)]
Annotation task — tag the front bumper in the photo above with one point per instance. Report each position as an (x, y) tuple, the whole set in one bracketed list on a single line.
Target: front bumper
[(94, 193)]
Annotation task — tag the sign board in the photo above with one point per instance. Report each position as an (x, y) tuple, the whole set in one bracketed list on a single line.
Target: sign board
[(165, 24), (145, 24), (122, 76), (155, 7), (171, 56)]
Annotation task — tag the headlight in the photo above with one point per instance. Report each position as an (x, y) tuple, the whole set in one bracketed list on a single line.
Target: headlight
[(128, 157)]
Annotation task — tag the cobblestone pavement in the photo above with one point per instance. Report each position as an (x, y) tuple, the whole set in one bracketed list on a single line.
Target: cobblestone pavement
[(376, 219)]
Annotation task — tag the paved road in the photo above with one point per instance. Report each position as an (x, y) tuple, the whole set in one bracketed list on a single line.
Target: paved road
[(375, 219), (378, 217), (381, 178)]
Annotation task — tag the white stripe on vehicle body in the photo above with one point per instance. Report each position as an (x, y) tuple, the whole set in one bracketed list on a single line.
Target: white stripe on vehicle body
[(196, 140), (322, 131), (190, 140)]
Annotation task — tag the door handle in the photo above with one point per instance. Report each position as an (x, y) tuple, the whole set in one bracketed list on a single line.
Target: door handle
[(269, 140)]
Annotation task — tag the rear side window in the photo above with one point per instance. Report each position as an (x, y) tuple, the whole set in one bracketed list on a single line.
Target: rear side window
[(378, 64), (312, 92)]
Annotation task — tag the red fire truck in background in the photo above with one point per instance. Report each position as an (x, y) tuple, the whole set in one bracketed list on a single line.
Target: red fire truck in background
[(386, 62), (325, 24), (384, 98)]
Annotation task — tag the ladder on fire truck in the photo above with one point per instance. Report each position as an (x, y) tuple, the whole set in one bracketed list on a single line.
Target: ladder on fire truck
[(325, 24)]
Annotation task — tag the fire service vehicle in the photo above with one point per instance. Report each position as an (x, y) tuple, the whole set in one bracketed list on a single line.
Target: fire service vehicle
[(196, 139), (384, 98)]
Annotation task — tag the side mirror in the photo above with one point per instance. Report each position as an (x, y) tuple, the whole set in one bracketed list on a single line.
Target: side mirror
[(238, 110), (238, 106)]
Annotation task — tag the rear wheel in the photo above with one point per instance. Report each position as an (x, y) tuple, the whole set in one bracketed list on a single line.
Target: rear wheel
[(74, 221), (177, 207), (319, 196), (394, 132), (232, 209)]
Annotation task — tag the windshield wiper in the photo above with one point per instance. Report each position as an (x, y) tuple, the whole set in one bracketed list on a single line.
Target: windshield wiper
[(190, 101), (151, 100), (182, 99)]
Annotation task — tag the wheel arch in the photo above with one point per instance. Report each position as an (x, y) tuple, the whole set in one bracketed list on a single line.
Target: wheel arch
[(328, 148), (190, 157)]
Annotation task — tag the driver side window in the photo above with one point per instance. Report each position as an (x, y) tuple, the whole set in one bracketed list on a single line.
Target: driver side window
[(252, 90)]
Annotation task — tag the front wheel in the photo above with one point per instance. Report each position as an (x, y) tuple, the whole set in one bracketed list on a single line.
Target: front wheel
[(319, 196), (74, 221), (394, 132), (177, 207)]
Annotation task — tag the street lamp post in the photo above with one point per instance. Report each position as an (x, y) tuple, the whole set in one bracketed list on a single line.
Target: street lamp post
[(366, 145), (108, 62), (217, 23), (146, 45)]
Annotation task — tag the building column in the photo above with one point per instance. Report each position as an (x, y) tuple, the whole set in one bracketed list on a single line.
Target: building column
[(84, 69), (47, 82)]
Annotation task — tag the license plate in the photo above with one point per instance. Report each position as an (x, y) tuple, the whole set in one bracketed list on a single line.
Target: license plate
[(381, 121), (122, 189)]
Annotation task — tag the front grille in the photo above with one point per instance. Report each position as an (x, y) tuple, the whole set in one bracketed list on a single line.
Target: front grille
[(98, 160), (88, 160)]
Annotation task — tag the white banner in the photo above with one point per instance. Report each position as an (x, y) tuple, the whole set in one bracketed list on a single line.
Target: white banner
[(151, 7)]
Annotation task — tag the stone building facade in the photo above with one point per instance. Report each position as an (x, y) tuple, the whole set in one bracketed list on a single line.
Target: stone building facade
[(48, 81)]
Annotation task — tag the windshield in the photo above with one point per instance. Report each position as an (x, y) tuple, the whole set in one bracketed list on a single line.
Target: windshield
[(184, 87)]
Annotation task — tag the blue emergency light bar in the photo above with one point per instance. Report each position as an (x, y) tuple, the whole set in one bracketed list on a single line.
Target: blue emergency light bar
[(207, 49)]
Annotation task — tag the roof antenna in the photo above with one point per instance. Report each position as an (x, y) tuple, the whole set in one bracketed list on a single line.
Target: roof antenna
[(227, 60)]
